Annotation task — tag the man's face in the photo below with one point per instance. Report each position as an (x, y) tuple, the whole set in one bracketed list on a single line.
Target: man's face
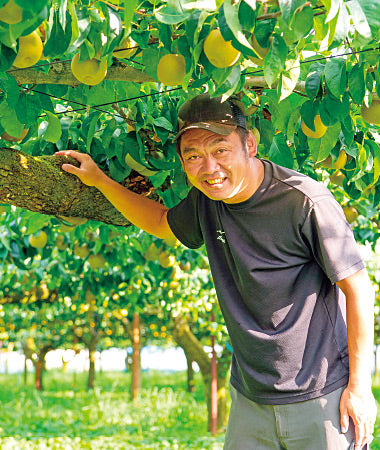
[(219, 166)]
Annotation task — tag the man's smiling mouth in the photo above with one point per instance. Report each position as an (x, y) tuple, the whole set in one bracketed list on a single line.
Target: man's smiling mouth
[(215, 181)]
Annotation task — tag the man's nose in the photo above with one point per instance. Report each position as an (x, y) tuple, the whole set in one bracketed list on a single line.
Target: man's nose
[(210, 164)]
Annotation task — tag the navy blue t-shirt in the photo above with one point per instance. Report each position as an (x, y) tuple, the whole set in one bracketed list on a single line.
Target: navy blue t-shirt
[(275, 259)]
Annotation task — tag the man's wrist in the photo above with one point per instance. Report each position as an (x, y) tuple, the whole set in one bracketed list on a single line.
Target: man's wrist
[(103, 181)]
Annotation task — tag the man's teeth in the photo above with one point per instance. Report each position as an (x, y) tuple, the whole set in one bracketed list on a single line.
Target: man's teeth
[(215, 181)]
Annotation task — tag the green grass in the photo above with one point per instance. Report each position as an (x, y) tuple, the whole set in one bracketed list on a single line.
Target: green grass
[(63, 418)]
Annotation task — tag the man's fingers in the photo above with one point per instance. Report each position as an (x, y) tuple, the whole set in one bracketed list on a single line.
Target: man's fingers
[(344, 420), (76, 155), (70, 169), (360, 435)]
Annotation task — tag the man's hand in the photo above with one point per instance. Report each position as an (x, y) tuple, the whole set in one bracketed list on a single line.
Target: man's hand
[(360, 405), (143, 212), (88, 172)]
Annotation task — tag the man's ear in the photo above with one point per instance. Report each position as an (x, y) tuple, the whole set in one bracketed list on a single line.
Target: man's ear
[(251, 144)]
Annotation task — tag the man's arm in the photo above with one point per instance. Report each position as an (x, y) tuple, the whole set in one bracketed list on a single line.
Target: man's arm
[(357, 400), (141, 211)]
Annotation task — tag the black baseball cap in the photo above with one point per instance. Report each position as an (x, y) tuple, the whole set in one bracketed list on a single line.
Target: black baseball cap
[(210, 113)]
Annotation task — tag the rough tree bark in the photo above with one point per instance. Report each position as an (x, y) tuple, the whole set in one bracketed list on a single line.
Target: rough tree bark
[(38, 183), (190, 373), (194, 348), (60, 73), (137, 344), (38, 358), (91, 369)]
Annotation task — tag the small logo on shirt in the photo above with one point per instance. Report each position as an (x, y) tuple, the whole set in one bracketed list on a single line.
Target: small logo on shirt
[(221, 236)]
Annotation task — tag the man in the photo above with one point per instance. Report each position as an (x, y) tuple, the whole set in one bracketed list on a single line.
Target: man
[(279, 249)]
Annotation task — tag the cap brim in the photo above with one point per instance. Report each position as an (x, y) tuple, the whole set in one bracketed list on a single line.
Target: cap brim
[(218, 128)]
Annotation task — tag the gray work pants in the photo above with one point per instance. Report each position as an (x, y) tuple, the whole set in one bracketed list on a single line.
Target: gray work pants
[(308, 425)]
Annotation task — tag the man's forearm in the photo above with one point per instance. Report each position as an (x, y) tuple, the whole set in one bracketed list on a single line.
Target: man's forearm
[(139, 210), (360, 328), (146, 214), (360, 339)]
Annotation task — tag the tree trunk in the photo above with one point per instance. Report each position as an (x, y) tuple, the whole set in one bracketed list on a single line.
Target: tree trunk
[(136, 358), (91, 368), (40, 366), (39, 184), (190, 374), (38, 376), (194, 348)]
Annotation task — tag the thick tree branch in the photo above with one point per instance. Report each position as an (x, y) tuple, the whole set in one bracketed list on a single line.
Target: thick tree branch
[(60, 73), (39, 184)]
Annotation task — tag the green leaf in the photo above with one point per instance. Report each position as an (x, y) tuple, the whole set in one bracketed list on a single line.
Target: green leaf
[(129, 12), (288, 8), (303, 22), (231, 12), (151, 57), (280, 153), (263, 31), (89, 127), (292, 124), (163, 123), (359, 18), (81, 27), (332, 8), (32, 5), (335, 75), (229, 85), (356, 83), (361, 163), (308, 112), (114, 30), (28, 108), (101, 93), (275, 60), (320, 148), (207, 5), (118, 172), (159, 178), (289, 77), (321, 28), (335, 109), (33, 222), (9, 120), (375, 150), (9, 86), (339, 27), (108, 132), (314, 79), (8, 55), (59, 38), (247, 15), (170, 16), (53, 131), (371, 10)]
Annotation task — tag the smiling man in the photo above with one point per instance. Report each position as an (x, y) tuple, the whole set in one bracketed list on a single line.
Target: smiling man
[(282, 255)]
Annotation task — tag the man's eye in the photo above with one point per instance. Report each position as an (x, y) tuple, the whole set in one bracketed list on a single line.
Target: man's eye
[(192, 157)]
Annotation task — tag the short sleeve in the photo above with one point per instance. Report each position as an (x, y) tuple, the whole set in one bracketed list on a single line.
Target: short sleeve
[(331, 240), (184, 222)]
